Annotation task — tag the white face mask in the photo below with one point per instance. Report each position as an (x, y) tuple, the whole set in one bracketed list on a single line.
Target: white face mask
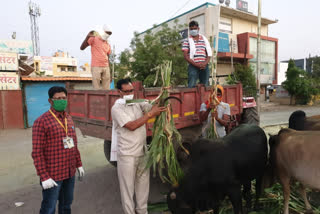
[(194, 32), (128, 97), (105, 36)]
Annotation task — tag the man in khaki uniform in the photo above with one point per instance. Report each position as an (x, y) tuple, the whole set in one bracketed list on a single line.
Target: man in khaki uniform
[(129, 124)]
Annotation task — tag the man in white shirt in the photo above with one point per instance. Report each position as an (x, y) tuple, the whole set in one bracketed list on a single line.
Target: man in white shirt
[(221, 115)]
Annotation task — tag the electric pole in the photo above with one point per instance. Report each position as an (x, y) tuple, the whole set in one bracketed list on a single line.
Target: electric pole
[(259, 58)]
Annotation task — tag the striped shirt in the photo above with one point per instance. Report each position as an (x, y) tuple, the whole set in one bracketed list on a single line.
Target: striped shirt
[(201, 52)]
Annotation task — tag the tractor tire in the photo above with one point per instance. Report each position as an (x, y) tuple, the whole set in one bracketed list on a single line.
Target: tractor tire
[(107, 150), (250, 116)]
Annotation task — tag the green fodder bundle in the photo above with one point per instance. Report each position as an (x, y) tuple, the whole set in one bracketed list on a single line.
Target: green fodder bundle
[(161, 155)]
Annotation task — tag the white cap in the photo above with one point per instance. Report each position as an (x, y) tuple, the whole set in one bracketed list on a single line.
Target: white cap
[(106, 28)]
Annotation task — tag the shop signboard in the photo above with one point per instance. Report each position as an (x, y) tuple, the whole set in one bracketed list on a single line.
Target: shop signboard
[(9, 81), (9, 62)]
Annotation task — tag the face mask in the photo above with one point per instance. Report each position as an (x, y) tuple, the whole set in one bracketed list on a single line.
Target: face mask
[(194, 32), (59, 105), (105, 36), (128, 97)]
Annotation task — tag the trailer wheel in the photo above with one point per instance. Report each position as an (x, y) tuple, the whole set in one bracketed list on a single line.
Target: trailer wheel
[(250, 116), (107, 150)]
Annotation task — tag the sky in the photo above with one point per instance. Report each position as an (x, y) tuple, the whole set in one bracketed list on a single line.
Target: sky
[(64, 24)]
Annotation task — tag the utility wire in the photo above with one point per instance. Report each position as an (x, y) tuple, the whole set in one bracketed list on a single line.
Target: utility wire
[(180, 8)]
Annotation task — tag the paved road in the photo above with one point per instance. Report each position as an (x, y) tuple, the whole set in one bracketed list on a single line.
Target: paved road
[(99, 192), (280, 114)]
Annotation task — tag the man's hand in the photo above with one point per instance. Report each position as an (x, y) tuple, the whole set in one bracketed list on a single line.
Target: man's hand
[(85, 44), (47, 184), (215, 114), (200, 65), (80, 172), (156, 110), (203, 65), (212, 106)]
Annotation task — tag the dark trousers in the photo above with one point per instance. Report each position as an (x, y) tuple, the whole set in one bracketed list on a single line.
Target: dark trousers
[(63, 192), (195, 73)]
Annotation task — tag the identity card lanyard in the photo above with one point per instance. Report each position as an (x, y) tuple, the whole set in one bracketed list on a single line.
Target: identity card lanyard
[(65, 127)]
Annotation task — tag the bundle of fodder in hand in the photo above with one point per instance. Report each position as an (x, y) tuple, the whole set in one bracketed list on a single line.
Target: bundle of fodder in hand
[(161, 155), (212, 99)]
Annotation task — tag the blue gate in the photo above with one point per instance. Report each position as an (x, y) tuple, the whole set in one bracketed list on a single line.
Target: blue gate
[(37, 98)]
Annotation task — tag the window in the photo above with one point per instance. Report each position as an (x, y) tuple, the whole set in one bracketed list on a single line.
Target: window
[(225, 25), (268, 57), (66, 68)]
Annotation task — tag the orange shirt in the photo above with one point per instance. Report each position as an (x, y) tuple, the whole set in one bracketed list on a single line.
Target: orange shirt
[(100, 49)]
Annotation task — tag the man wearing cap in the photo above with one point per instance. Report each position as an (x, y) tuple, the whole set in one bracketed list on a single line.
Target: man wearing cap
[(221, 114), (100, 51)]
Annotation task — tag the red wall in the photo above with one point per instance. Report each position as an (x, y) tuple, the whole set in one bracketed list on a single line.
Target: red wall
[(11, 110)]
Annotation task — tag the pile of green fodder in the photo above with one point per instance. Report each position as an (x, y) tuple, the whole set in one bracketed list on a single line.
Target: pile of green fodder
[(270, 203)]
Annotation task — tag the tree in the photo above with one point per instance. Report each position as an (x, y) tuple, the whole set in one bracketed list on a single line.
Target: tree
[(151, 51), (123, 68), (316, 66), (298, 84), (245, 75)]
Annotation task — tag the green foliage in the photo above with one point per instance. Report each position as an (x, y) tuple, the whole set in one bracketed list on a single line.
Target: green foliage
[(150, 52), (316, 67), (299, 84), (162, 156), (124, 67), (244, 74)]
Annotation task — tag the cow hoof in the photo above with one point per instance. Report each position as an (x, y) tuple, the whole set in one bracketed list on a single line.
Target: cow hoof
[(309, 212)]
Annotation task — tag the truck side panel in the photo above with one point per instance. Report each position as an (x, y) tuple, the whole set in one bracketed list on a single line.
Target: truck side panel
[(91, 110)]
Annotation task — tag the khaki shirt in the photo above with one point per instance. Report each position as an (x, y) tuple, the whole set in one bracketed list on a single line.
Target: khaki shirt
[(130, 143)]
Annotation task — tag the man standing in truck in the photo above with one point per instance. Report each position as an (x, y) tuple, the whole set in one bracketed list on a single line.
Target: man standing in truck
[(197, 51), (55, 154), (100, 51), (129, 126)]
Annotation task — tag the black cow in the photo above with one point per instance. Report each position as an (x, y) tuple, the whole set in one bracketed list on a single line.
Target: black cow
[(219, 169), (299, 121)]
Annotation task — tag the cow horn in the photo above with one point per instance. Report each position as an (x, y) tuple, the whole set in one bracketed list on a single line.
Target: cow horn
[(172, 97), (173, 196)]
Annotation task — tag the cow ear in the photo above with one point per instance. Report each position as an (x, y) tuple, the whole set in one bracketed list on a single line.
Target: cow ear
[(173, 196)]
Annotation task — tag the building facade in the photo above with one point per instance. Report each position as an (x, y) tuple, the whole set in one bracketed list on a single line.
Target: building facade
[(237, 43)]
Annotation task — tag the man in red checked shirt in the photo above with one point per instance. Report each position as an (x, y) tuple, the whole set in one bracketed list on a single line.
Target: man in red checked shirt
[(55, 154)]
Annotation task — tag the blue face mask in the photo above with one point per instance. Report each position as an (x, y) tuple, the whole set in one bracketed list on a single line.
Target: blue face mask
[(194, 32)]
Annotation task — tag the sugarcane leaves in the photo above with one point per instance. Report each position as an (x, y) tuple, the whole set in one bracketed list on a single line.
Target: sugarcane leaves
[(161, 155)]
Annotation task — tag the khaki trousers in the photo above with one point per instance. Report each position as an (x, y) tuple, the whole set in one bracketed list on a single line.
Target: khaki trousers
[(103, 74), (132, 182)]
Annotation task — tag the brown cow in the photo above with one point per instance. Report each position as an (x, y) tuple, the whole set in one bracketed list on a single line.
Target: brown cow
[(299, 121), (294, 155)]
